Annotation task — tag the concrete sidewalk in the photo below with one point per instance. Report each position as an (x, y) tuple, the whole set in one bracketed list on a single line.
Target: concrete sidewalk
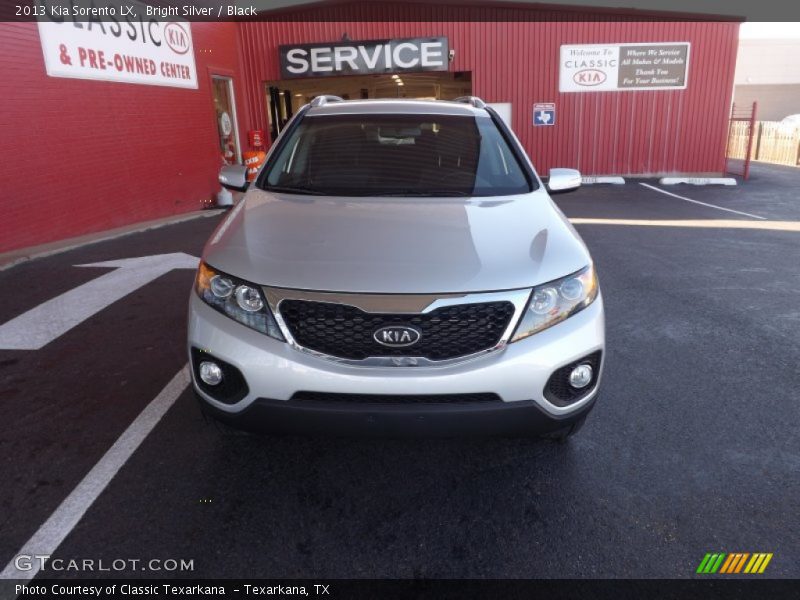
[(15, 257)]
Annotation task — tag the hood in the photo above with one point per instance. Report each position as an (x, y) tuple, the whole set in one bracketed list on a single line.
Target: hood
[(396, 245)]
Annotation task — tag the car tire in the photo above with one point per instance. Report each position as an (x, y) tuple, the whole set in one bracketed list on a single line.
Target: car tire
[(226, 430), (562, 435), (211, 420), (222, 428)]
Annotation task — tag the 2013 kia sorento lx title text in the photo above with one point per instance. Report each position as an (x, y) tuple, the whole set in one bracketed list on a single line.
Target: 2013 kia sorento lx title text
[(397, 266)]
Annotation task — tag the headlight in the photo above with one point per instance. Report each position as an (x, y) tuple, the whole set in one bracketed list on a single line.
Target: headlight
[(553, 302), (240, 300)]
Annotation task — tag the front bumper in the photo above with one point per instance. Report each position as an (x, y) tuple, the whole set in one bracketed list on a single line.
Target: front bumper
[(518, 374), (509, 418)]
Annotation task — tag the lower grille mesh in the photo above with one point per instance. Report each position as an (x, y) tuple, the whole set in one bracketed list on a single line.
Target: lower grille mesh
[(395, 398)]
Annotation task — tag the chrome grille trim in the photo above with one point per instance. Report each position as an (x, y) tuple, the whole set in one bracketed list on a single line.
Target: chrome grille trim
[(397, 303)]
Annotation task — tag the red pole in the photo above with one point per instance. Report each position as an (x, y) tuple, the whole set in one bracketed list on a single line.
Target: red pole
[(750, 141)]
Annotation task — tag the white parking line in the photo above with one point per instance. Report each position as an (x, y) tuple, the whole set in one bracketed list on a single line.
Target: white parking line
[(52, 319), (701, 223), (738, 212), (50, 535)]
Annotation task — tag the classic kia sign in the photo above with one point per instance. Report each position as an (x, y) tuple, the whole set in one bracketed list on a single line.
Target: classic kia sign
[(124, 49), (619, 67), (364, 57)]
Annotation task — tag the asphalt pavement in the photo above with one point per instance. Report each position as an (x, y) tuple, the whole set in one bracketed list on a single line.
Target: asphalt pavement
[(692, 448)]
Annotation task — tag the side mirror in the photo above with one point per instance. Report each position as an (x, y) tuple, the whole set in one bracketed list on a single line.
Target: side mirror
[(234, 177), (563, 180)]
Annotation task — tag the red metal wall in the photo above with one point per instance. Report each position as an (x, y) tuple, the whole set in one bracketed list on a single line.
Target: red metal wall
[(81, 156), (515, 59)]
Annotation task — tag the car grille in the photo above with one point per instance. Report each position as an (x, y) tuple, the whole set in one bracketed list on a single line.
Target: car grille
[(395, 398), (346, 332)]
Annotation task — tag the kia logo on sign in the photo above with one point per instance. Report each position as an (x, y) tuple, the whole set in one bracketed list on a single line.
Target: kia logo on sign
[(397, 336), (589, 77), (176, 38)]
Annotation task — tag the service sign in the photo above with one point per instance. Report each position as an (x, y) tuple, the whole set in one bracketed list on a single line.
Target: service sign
[(127, 49), (621, 67), (364, 57)]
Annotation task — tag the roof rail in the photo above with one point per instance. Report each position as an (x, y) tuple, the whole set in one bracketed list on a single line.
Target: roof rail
[(323, 100), (472, 101)]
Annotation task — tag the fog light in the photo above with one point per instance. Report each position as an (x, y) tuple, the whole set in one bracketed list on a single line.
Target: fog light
[(581, 376), (210, 373)]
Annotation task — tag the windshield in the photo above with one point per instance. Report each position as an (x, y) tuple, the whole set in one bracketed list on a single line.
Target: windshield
[(396, 155)]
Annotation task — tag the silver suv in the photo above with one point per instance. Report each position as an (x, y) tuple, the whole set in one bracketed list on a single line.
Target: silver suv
[(397, 266)]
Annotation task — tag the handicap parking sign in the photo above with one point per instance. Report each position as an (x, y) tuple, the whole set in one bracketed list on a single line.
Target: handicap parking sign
[(544, 113)]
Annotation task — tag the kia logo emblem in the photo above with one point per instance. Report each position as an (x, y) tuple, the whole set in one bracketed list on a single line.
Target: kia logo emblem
[(177, 38), (589, 77), (397, 336)]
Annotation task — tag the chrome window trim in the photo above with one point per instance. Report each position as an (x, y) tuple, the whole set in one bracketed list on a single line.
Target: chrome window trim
[(397, 303)]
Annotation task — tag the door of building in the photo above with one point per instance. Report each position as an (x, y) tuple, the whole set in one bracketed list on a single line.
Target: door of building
[(225, 109), (279, 109), (283, 98)]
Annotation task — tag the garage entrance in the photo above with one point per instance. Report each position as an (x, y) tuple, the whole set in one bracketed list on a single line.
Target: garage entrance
[(285, 97)]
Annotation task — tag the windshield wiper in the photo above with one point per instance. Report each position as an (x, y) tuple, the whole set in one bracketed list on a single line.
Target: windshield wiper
[(288, 189), (420, 194)]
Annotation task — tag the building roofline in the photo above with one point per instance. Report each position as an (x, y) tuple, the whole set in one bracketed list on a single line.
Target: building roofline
[(299, 12)]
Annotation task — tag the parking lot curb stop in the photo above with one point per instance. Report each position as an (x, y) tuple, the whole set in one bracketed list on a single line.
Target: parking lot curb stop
[(698, 180), (588, 180)]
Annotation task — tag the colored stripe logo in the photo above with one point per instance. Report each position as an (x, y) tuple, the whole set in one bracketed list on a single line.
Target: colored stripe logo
[(735, 562)]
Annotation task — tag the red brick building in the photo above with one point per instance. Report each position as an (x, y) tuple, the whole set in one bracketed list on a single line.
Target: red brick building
[(96, 144)]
